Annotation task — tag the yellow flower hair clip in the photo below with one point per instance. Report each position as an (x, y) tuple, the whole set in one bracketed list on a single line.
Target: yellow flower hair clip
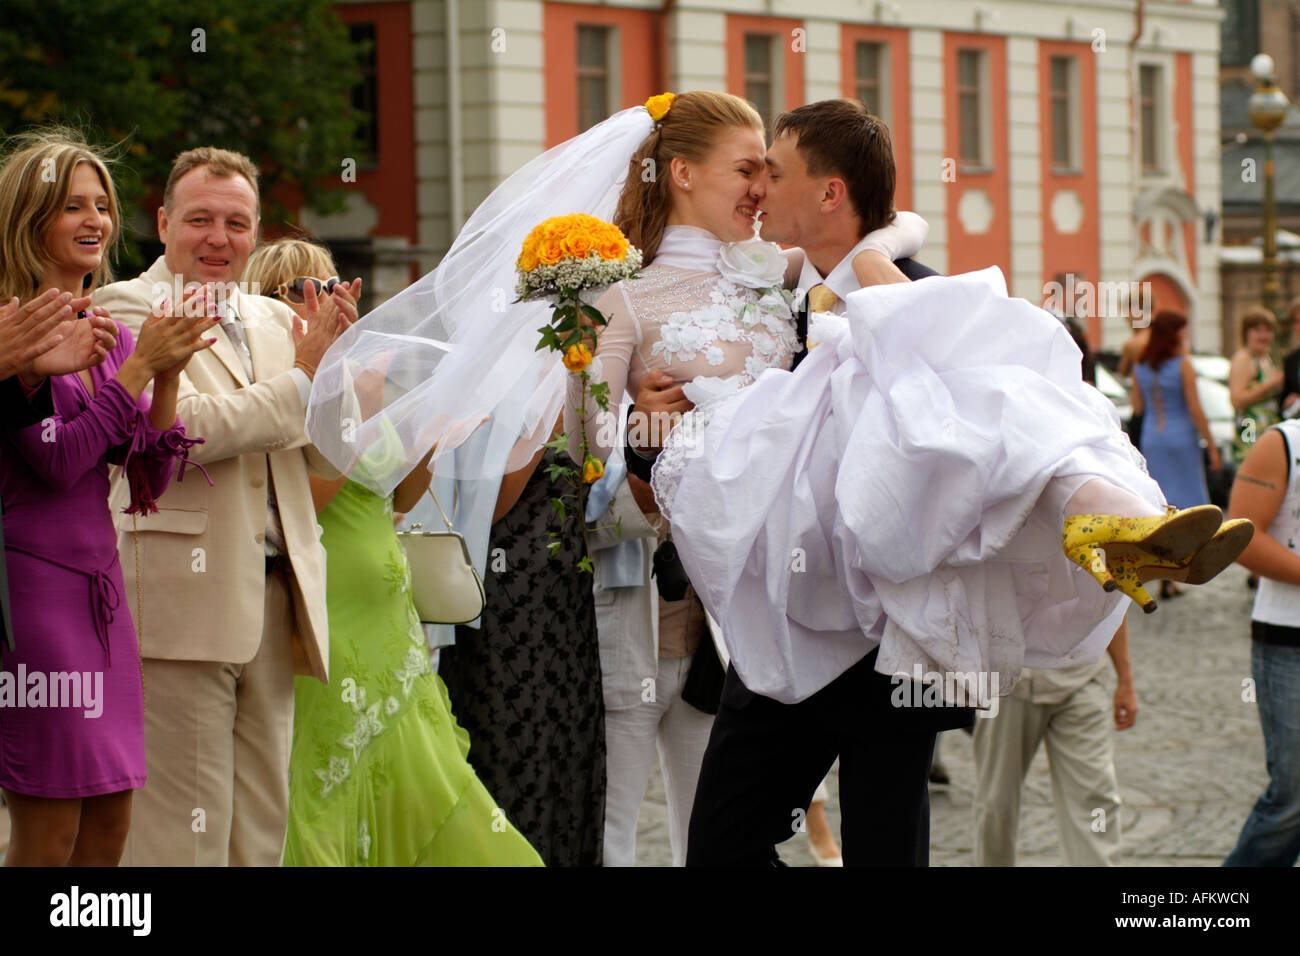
[(658, 106)]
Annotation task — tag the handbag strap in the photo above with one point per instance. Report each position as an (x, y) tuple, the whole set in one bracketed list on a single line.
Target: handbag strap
[(440, 511)]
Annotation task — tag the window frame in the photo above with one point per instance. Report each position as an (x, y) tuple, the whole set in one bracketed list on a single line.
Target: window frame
[(1159, 125), (609, 73), (882, 79), (1073, 162), (983, 163), (775, 76), (367, 88)]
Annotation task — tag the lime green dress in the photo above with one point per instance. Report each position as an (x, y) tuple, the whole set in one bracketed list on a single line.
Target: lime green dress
[(378, 775)]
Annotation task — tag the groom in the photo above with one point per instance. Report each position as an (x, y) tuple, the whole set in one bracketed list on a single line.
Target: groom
[(829, 182)]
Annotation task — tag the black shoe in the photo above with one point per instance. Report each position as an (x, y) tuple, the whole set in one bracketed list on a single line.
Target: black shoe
[(939, 774)]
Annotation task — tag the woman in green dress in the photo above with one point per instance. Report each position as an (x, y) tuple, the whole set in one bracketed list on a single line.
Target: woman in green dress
[(378, 774), (1254, 381)]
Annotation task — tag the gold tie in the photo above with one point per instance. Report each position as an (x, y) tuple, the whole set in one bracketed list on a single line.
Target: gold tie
[(821, 299)]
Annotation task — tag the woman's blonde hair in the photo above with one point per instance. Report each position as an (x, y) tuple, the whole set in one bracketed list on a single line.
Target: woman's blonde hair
[(689, 130), (35, 182), (274, 264)]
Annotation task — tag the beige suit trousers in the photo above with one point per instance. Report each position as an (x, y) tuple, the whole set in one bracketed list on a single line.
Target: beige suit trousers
[(1080, 750), (217, 741)]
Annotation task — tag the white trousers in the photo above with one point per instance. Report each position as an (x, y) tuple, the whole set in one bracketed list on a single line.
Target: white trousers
[(1081, 752), (681, 733)]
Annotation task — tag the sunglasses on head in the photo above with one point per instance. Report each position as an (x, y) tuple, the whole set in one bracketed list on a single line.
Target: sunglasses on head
[(294, 290)]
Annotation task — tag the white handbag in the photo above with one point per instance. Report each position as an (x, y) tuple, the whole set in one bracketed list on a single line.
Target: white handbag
[(444, 583)]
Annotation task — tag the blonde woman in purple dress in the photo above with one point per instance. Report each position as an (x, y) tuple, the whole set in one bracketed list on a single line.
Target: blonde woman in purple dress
[(71, 699)]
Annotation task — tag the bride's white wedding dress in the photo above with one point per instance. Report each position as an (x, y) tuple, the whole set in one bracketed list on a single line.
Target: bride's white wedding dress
[(905, 486)]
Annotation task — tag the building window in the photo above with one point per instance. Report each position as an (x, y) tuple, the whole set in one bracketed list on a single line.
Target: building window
[(1063, 91), (972, 107), (365, 95), (1149, 116), (594, 79), (869, 78), (762, 83), (1238, 32)]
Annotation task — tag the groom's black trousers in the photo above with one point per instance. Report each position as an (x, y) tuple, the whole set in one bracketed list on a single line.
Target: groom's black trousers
[(765, 759)]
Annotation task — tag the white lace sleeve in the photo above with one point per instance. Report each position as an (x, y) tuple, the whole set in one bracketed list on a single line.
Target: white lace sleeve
[(610, 365)]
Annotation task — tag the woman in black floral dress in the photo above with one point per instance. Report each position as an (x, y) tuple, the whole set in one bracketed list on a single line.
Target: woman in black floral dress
[(526, 686)]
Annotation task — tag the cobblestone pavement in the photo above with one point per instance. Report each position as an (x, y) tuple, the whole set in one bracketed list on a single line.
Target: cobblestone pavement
[(1189, 770)]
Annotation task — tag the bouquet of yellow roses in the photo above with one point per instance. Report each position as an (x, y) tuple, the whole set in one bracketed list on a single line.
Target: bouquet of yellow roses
[(562, 259)]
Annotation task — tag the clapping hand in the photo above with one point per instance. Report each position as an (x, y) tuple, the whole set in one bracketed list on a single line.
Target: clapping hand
[(327, 319), (168, 341), (343, 298), (44, 337)]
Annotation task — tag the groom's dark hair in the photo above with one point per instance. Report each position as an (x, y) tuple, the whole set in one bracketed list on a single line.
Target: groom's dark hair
[(843, 137)]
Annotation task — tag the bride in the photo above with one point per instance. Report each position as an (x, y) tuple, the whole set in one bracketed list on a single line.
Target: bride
[(892, 491)]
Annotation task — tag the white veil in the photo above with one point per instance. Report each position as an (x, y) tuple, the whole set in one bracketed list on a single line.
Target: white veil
[(454, 355)]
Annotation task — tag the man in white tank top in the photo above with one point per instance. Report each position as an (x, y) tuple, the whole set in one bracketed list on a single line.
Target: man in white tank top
[(1267, 490)]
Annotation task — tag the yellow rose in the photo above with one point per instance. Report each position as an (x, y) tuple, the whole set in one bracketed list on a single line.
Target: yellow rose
[(577, 357), (593, 470), (612, 247), (550, 251), (658, 106), (578, 243), (527, 262)]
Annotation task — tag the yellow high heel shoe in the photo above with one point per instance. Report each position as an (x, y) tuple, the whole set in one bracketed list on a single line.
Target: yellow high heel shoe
[(1173, 537), (1129, 571), (1093, 560)]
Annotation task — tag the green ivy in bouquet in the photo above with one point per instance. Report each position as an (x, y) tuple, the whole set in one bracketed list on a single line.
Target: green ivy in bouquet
[(562, 259)]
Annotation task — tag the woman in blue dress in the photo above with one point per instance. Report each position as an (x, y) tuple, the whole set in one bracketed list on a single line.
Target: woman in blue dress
[(1164, 388)]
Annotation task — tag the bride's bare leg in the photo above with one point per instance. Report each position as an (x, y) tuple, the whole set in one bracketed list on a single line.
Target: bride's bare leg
[(1097, 496)]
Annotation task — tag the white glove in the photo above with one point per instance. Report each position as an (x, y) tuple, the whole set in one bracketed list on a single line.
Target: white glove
[(900, 239)]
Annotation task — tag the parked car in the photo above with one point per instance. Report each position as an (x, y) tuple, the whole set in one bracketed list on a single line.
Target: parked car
[(1222, 419)]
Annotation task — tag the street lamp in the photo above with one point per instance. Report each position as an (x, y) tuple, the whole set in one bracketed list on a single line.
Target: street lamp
[(1268, 107)]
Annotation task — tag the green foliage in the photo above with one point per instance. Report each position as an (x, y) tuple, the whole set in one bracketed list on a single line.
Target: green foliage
[(273, 80)]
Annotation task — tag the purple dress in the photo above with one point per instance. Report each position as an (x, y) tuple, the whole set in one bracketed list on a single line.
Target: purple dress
[(71, 701)]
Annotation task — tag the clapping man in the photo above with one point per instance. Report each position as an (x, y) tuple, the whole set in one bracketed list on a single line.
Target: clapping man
[(227, 580)]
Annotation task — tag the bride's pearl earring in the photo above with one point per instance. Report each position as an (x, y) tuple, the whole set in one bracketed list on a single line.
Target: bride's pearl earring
[(686, 185)]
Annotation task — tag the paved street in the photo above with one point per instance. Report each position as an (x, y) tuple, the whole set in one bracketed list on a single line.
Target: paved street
[(1189, 771)]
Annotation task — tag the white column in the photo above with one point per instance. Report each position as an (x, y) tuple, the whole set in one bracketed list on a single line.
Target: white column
[(1026, 178), (929, 194)]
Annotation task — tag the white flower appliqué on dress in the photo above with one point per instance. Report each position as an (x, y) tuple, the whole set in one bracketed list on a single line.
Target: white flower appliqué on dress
[(735, 314)]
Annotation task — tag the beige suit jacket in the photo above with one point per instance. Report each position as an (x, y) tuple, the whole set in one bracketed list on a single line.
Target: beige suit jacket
[(202, 555)]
